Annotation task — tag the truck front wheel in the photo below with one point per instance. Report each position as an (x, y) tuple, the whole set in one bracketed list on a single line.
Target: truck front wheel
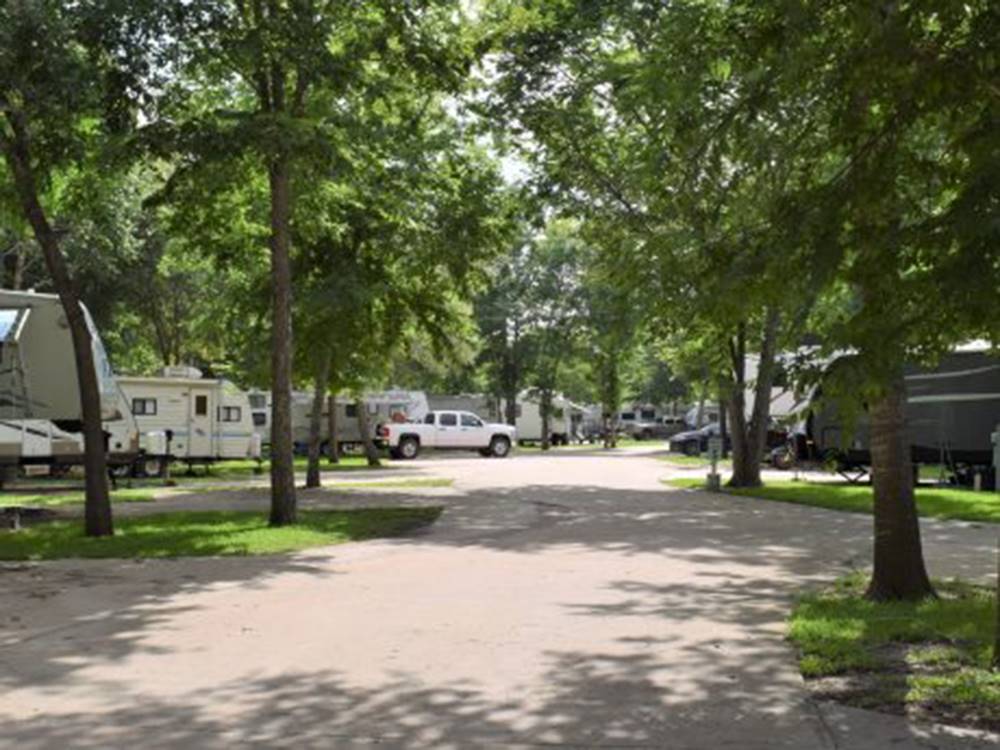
[(409, 448), (499, 447)]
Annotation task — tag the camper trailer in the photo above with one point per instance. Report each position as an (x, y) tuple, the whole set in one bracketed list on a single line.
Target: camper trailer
[(951, 412), (40, 414), (564, 421), (38, 377), (382, 407), (190, 418), (477, 403)]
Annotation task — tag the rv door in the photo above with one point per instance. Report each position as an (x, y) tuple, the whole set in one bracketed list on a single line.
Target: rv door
[(200, 432)]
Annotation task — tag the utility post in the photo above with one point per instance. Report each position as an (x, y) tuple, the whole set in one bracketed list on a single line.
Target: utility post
[(714, 482)]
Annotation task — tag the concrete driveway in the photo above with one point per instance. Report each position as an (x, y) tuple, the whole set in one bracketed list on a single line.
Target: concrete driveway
[(566, 601)]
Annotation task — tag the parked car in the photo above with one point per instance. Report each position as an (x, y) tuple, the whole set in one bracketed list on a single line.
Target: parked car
[(659, 428), (695, 442), (450, 430)]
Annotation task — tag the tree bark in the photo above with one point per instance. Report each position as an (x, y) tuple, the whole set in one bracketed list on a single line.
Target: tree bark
[(610, 401), (545, 407), (97, 503), (723, 427), (750, 437), (371, 453), (899, 570), (316, 423), (283, 503), (333, 449)]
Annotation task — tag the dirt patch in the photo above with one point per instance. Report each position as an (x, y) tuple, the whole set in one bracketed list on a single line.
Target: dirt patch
[(894, 688)]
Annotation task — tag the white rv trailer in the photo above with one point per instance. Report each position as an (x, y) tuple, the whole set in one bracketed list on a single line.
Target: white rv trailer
[(38, 378), (383, 406), (190, 418), (42, 442), (564, 422)]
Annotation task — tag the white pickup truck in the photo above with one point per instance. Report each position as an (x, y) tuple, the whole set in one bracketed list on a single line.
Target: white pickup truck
[(450, 430)]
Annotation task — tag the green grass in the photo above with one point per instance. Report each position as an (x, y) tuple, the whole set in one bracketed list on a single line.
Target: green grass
[(932, 502), (249, 468), (58, 499), (935, 653), (686, 461), (394, 483), (202, 533)]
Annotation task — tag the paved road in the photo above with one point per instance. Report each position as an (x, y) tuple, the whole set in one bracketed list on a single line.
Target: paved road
[(565, 601)]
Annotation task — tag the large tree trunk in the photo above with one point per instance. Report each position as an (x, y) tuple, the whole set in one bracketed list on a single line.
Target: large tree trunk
[(316, 423), (723, 427), (610, 401), (97, 503), (283, 505), (333, 448), (545, 407), (899, 570), (371, 452), (750, 437)]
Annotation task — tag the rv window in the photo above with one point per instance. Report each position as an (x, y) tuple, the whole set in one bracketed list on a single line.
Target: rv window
[(200, 406), (429, 419), (558, 413), (351, 411), (258, 401), (8, 319), (447, 420), (628, 416), (648, 414), (471, 420), (145, 407), (230, 414), (259, 419)]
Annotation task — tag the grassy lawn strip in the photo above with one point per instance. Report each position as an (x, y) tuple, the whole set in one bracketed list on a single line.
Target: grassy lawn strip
[(682, 460), (931, 658), (932, 502), (249, 468), (210, 533), (393, 483), (56, 499)]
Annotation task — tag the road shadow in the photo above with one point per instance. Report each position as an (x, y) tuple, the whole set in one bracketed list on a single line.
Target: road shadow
[(746, 561)]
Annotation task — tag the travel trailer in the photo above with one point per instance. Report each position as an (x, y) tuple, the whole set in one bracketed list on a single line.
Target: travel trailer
[(477, 403), (383, 406), (190, 418), (951, 412), (564, 423), (36, 442), (40, 414), (38, 377)]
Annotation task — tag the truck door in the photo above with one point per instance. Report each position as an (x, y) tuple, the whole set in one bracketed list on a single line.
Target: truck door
[(472, 431), (446, 431), (200, 423)]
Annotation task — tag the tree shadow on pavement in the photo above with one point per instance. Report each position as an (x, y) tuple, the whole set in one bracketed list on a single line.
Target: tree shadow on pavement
[(697, 658)]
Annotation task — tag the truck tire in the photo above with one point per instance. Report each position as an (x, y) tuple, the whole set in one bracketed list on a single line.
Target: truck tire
[(500, 446), (409, 447)]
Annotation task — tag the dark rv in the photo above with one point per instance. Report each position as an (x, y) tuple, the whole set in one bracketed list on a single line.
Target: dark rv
[(951, 412)]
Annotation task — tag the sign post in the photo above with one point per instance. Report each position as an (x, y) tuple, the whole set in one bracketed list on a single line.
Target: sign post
[(714, 453)]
